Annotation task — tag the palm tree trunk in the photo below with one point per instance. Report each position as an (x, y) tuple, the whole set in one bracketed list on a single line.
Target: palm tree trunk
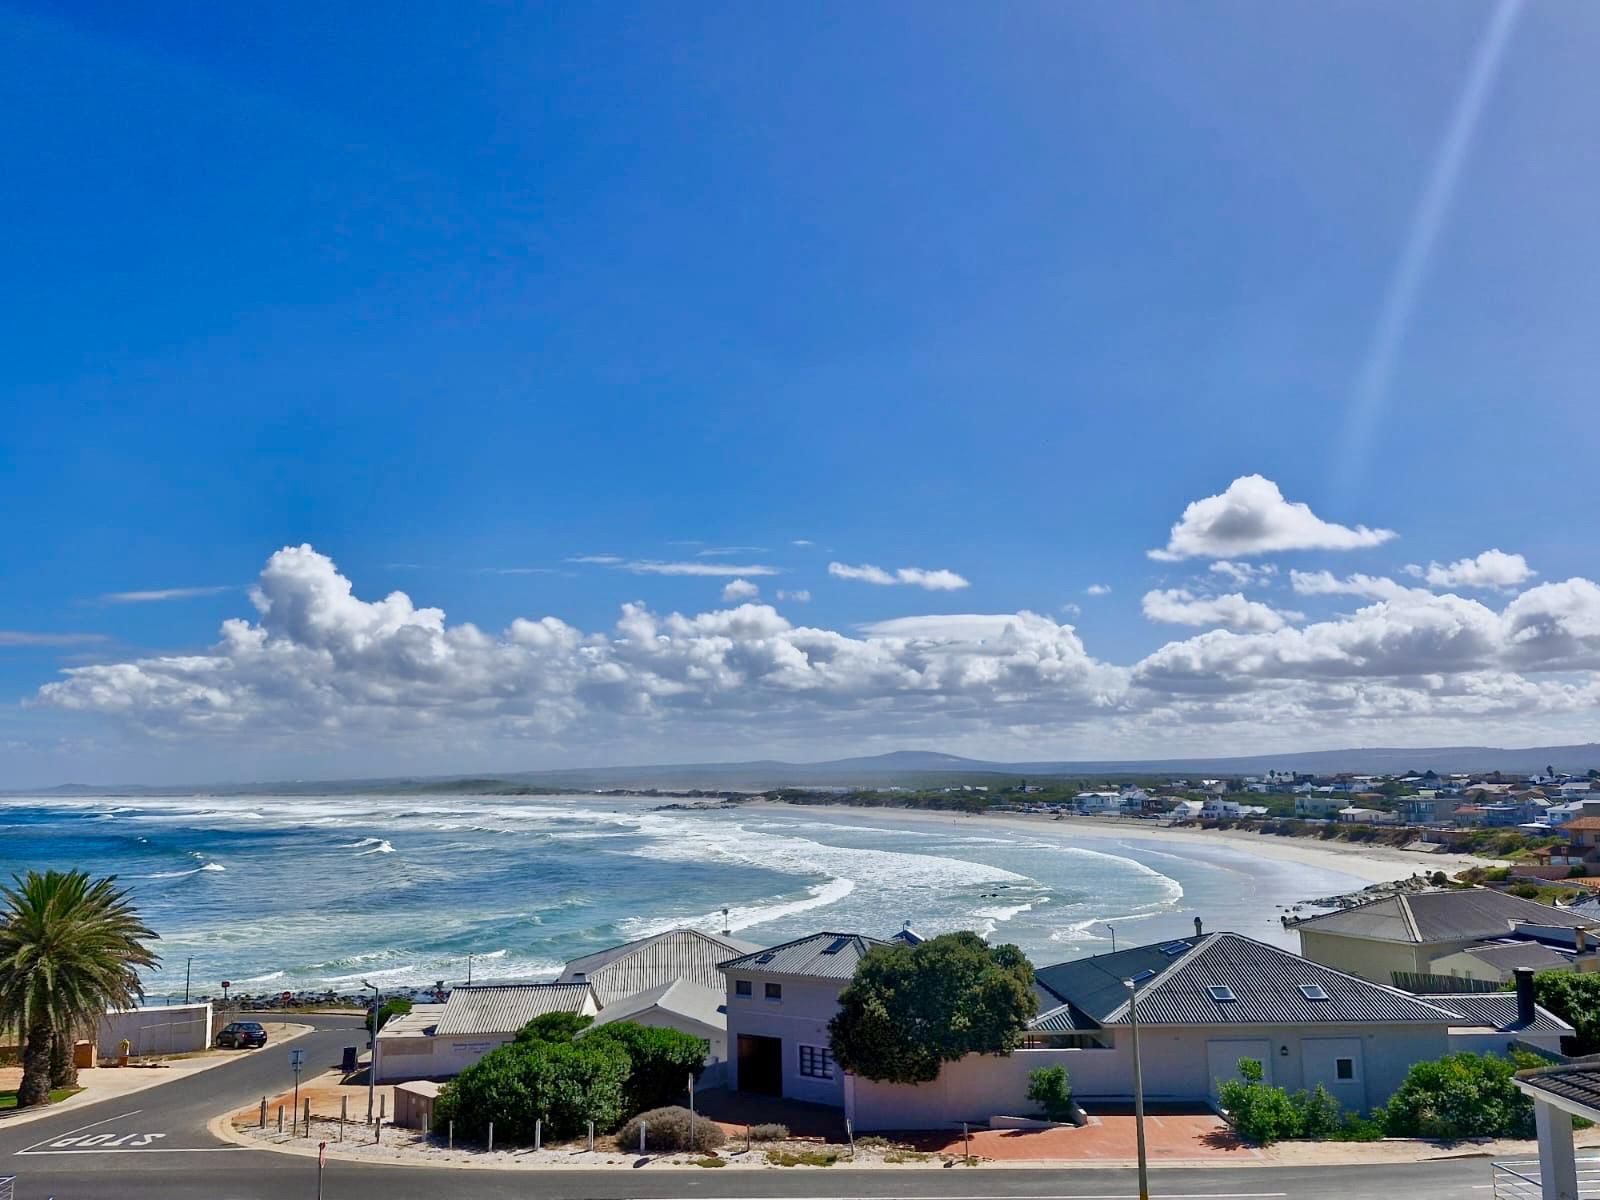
[(63, 1071), (35, 1086)]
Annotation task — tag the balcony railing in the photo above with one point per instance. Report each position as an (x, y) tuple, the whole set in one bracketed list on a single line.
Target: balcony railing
[(1518, 1179)]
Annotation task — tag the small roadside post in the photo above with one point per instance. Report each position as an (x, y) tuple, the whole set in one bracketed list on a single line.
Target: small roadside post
[(297, 1059), (322, 1161), (692, 1143)]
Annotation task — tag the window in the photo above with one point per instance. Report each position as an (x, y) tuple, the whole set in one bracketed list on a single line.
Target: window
[(1219, 992), (1344, 1068), (1313, 991), (774, 991), (836, 945), (741, 987), (816, 1062)]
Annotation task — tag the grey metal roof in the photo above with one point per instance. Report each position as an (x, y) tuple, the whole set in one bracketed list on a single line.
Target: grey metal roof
[(705, 1005), (1577, 1082), (1508, 956), (1264, 981), (1091, 989), (1444, 916), (1498, 1010), (419, 1022), (819, 956), (638, 966), (507, 1007)]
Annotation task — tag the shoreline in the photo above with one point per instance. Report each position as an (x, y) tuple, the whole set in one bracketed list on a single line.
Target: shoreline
[(1362, 860)]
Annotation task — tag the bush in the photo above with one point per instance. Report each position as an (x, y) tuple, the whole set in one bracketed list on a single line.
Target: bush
[(1575, 999), (1267, 1114), (557, 1027), (661, 1061), (1462, 1096), (1051, 1090), (1526, 890), (396, 1007), (516, 1085), (1577, 871), (667, 1130), (769, 1133)]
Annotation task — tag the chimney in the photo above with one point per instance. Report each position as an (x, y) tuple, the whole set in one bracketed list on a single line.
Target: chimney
[(1199, 929), (1524, 976)]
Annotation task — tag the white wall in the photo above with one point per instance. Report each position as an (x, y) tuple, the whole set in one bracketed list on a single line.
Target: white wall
[(800, 1018), (1175, 1063), (161, 1029)]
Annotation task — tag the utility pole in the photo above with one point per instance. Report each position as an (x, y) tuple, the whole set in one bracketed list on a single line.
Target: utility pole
[(1113, 930), (187, 967), (1138, 1087), (469, 970), (372, 1053)]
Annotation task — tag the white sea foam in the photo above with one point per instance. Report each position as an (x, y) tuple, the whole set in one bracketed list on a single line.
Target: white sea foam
[(371, 845)]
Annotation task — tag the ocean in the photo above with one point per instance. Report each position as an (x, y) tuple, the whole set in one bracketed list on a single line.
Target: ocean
[(294, 892)]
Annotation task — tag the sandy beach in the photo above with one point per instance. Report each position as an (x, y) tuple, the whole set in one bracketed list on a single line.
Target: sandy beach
[(1368, 862)]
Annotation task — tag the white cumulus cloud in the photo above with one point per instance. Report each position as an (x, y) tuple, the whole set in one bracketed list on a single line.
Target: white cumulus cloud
[(1244, 574), (740, 589), (1097, 589), (1177, 606), (1492, 570), (933, 581), (1253, 517)]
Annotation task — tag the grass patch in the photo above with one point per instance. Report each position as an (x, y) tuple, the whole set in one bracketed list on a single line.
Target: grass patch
[(905, 1156), (806, 1158), (711, 1160), (8, 1100)]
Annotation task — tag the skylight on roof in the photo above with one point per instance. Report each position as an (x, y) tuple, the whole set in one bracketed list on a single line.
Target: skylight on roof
[(1142, 976), (836, 945), (1313, 991), (1219, 992), (1174, 947), (767, 957)]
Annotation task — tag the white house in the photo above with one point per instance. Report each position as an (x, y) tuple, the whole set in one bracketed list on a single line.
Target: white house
[(779, 1003), (1217, 809), (1314, 807), (473, 1021), (1097, 802)]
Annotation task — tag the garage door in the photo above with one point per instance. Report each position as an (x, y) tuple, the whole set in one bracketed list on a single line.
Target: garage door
[(1222, 1059)]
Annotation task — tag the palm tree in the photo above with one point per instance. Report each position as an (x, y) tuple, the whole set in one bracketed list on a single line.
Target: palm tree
[(69, 949)]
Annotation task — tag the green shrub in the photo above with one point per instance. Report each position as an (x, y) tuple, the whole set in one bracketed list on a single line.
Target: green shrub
[(564, 1085), (667, 1130), (661, 1061), (770, 1133), (1051, 1090), (1461, 1096), (806, 1158), (557, 1027), (1526, 890), (1575, 999), (1577, 871), (711, 1160), (1267, 1114), (396, 1007)]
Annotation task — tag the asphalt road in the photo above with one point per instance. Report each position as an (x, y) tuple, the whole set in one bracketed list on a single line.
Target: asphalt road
[(154, 1146)]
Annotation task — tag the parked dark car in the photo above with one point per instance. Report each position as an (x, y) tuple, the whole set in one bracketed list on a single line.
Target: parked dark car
[(242, 1035)]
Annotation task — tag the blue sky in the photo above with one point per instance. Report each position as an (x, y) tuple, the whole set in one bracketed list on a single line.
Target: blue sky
[(459, 295)]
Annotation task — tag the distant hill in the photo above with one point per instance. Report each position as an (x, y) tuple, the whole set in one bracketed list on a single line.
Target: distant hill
[(912, 768)]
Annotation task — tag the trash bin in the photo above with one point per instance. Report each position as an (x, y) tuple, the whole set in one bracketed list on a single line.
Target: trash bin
[(348, 1065)]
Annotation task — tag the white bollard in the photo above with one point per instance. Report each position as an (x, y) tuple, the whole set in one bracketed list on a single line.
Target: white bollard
[(491, 1137), (641, 1137), (538, 1134)]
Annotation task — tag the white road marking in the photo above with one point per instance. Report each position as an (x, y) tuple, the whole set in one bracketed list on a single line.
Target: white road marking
[(130, 1150), (91, 1125)]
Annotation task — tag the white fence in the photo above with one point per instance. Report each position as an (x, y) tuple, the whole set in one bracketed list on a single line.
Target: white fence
[(1518, 1179)]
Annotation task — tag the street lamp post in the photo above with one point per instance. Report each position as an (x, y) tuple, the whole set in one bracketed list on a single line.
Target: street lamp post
[(372, 1052), (469, 970), (1138, 1086), (1113, 930), (187, 967)]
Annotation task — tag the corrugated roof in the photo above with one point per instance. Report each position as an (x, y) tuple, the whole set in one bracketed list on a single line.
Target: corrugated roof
[(1264, 981), (1499, 1011), (706, 1005), (638, 966), (1508, 956), (1093, 986), (507, 1007), (419, 1022), (1577, 1082), (819, 956), (1443, 916)]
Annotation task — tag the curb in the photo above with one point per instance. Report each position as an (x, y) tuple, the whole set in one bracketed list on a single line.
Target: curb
[(157, 1078)]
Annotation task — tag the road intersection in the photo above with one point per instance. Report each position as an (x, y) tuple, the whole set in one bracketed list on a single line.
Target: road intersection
[(155, 1146)]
